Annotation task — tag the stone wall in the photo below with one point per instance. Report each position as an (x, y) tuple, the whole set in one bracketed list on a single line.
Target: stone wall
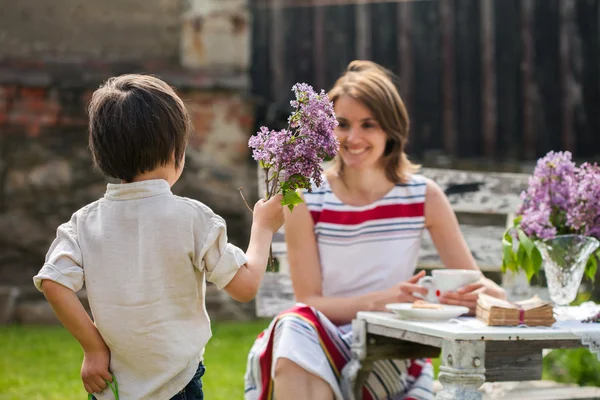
[(109, 30), (52, 56), (46, 172)]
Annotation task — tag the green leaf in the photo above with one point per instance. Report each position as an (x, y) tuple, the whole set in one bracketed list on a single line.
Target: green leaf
[(508, 256), (525, 242), (291, 199), (521, 255), (517, 220), (526, 263), (536, 259), (591, 267)]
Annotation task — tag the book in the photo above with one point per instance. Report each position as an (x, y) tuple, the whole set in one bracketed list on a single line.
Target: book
[(530, 312)]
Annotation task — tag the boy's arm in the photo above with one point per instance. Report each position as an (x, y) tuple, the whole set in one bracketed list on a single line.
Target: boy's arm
[(226, 265), (244, 285), (73, 316), (267, 219)]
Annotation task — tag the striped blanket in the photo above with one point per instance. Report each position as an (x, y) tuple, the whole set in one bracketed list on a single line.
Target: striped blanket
[(305, 336)]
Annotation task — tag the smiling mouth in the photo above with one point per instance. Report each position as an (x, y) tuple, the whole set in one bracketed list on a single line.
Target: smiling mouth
[(356, 151)]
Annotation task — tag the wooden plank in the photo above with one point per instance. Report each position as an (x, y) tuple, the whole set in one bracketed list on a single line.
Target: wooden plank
[(276, 53), (586, 73), (448, 76), (259, 67), (566, 31), (385, 348), (515, 362), (384, 34), (480, 192), (319, 47), (340, 40), (488, 77), (427, 124), (399, 334), (527, 81), (405, 56), (363, 30), (299, 49), (275, 295), (324, 3), (483, 241), (547, 76), (468, 77), (508, 70)]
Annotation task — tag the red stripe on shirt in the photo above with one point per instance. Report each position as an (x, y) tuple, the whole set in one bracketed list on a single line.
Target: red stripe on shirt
[(381, 212)]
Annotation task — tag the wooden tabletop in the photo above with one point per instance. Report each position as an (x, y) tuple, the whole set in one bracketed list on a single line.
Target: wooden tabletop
[(469, 328)]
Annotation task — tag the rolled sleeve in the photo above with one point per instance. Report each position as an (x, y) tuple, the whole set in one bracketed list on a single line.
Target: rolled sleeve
[(63, 263), (219, 259)]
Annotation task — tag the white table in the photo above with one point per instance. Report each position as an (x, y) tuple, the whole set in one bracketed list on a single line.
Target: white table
[(471, 353)]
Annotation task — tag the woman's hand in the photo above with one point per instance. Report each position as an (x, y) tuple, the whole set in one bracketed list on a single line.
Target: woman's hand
[(403, 292), (467, 296)]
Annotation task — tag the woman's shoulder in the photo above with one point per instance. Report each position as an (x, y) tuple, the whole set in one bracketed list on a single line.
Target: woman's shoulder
[(414, 186), (414, 180)]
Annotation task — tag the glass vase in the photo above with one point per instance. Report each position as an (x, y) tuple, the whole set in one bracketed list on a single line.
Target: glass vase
[(564, 258)]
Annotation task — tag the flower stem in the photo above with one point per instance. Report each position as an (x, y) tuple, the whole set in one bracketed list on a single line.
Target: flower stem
[(240, 189), (268, 196)]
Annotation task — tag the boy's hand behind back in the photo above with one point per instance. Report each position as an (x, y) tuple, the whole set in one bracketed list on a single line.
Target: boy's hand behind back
[(268, 214), (94, 370)]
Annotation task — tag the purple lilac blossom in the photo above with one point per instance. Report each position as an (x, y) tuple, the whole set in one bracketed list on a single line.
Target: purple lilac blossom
[(584, 211), (549, 193), (297, 152), (561, 198)]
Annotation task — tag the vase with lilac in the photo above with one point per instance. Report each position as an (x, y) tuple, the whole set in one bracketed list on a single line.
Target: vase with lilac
[(558, 225), (292, 158)]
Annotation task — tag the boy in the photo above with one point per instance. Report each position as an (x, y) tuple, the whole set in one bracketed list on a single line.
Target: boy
[(145, 253)]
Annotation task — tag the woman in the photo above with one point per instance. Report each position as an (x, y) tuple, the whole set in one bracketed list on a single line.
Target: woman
[(353, 246)]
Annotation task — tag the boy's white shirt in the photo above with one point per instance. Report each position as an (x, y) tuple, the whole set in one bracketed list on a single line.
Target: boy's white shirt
[(144, 255)]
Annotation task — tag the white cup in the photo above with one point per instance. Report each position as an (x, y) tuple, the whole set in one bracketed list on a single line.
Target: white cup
[(446, 280)]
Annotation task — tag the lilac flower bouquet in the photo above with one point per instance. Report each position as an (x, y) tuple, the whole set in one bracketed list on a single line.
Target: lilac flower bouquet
[(292, 157), (561, 199)]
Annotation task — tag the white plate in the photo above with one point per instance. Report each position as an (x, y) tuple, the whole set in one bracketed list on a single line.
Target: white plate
[(405, 311)]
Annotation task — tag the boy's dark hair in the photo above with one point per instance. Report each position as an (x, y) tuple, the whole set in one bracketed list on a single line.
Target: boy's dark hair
[(136, 123)]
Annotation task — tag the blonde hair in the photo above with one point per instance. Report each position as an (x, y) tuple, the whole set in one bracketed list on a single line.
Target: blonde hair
[(373, 86)]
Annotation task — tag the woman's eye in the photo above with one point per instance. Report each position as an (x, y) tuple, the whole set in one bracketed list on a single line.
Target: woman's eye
[(343, 125), (368, 125)]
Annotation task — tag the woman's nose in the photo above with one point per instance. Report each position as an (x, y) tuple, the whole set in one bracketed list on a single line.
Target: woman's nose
[(353, 134)]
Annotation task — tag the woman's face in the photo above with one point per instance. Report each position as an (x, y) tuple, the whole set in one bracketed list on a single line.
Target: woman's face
[(362, 141)]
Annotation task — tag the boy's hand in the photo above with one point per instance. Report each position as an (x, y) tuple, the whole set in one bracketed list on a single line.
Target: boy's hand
[(94, 371), (269, 214)]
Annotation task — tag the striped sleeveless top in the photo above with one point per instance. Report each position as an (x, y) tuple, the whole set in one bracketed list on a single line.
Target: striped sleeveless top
[(363, 249)]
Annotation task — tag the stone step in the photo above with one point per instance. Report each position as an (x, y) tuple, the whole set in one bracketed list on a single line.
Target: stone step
[(534, 390), (538, 390)]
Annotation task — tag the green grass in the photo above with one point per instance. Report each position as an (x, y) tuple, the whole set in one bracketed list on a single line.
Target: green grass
[(42, 363)]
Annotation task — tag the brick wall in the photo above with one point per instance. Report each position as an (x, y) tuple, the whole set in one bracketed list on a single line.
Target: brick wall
[(52, 56), (46, 171)]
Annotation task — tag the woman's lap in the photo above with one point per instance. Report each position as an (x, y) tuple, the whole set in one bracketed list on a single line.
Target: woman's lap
[(308, 338)]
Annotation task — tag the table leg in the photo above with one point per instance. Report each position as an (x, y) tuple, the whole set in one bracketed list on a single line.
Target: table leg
[(462, 371), (357, 370)]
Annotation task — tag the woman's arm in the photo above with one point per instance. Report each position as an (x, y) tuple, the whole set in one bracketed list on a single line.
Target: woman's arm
[(305, 271), (444, 229)]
